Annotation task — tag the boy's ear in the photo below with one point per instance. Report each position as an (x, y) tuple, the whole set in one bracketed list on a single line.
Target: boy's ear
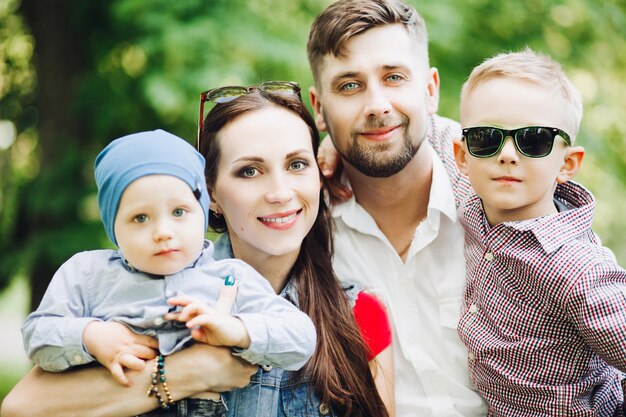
[(460, 155), (571, 164), (316, 104)]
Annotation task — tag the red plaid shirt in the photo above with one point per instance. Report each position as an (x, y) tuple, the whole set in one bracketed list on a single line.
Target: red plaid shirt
[(544, 312)]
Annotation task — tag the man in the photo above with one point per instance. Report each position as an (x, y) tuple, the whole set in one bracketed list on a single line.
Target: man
[(377, 96)]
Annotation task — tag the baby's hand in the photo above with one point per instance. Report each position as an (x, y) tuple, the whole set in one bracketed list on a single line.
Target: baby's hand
[(117, 347), (212, 325)]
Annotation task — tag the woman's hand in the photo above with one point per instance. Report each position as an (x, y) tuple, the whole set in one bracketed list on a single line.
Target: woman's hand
[(210, 368)]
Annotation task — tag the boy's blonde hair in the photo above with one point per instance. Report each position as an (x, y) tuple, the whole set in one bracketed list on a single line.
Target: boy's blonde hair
[(530, 66)]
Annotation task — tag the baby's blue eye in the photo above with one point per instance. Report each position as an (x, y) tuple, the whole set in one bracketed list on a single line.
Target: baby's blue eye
[(178, 212), (141, 218)]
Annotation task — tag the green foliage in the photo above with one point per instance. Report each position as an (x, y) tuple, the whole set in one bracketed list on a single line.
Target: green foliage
[(17, 83), (144, 64), (175, 52)]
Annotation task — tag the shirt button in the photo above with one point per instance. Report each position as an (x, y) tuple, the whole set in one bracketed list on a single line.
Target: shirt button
[(489, 256), (266, 368), (77, 360), (473, 308), (324, 410), (158, 321), (471, 356)]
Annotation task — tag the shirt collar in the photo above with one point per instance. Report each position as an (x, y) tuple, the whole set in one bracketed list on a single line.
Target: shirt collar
[(223, 248), (441, 195), (551, 231)]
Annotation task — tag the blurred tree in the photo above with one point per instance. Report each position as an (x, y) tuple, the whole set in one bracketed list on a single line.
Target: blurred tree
[(47, 223), (109, 68), (105, 69)]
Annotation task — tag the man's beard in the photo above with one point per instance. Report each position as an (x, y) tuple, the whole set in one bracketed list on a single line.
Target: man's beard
[(369, 160)]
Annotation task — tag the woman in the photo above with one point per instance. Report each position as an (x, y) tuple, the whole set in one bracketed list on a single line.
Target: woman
[(266, 193), (269, 140)]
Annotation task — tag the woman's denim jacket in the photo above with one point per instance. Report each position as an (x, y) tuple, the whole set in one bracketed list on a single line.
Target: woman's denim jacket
[(274, 392)]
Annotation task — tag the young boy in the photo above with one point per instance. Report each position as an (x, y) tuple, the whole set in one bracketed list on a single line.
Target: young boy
[(544, 310), (154, 205)]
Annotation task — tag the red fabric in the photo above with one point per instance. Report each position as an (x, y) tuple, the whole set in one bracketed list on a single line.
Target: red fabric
[(371, 316)]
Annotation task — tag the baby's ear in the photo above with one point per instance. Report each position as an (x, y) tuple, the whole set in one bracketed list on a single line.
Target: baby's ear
[(460, 155), (571, 164)]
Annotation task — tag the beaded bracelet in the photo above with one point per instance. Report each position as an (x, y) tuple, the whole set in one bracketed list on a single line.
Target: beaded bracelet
[(158, 378)]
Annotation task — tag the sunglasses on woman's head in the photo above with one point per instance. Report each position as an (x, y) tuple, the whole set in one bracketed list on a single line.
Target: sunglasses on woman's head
[(530, 141), (229, 93)]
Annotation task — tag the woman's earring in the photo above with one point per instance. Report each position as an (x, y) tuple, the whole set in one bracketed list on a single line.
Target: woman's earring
[(217, 214)]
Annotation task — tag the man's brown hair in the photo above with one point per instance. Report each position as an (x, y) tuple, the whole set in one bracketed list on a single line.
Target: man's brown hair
[(344, 19)]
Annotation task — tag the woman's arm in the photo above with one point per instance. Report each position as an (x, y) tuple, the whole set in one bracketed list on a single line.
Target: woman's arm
[(93, 391), (371, 317), (383, 371)]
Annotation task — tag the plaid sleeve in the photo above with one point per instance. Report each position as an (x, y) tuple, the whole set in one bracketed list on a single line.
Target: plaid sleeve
[(597, 305)]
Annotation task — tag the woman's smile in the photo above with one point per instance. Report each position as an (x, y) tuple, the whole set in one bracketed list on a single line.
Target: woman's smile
[(281, 221)]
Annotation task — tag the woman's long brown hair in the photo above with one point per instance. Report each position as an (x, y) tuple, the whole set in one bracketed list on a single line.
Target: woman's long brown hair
[(338, 370)]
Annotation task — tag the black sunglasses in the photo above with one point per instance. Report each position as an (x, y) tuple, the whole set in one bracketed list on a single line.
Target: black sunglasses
[(229, 93), (530, 141)]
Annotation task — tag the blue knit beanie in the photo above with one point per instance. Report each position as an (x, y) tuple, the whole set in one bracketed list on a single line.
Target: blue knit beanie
[(146, 153)]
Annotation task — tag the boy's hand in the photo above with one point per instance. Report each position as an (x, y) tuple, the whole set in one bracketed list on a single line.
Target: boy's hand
[(329, 162), (117, 347)]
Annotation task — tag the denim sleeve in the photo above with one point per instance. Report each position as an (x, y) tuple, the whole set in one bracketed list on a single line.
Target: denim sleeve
[(53, 333), (280, 334)]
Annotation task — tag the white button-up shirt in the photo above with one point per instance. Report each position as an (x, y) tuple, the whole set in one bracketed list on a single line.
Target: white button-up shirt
[(423, 298)]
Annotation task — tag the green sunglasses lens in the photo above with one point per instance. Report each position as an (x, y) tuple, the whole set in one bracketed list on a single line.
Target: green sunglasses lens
[(484, 142), (535, 142)]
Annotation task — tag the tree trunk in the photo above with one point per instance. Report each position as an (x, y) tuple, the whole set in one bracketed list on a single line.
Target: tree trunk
[(59, 61)]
